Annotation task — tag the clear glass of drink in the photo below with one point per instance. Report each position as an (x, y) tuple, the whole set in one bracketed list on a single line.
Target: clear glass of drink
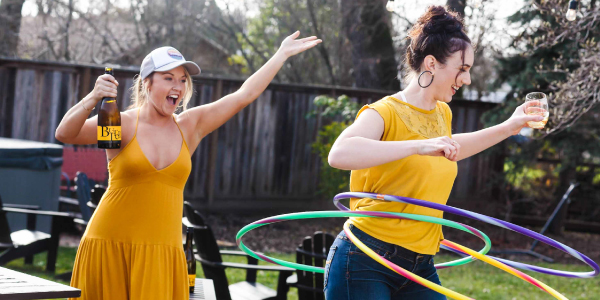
[(538, 107)]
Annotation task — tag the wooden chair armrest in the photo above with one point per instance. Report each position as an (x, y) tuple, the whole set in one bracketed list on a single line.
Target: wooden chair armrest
[(244, 266), (308, 288), (233, 252), (313, 254), (80, 221), (67, 200), (187, 223), (23, 206), (39, 212)]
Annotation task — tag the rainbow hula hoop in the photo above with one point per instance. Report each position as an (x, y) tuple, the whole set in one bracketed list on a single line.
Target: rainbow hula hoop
[(345, 214), (503, 264), (368, 251), (433, 286), (489, 220)]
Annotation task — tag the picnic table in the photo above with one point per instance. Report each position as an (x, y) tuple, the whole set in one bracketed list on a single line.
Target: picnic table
[(19, 286), (204, 290)]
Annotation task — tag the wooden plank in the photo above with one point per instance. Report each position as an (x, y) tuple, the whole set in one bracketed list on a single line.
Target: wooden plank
[(7, 88), (125, 85), (44, 104), (204, 290), (24, 92), (19, 286), (214, 137), (84, 82), (54, 100)]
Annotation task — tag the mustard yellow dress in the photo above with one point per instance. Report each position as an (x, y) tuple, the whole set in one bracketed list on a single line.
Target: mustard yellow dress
[(132, 247)]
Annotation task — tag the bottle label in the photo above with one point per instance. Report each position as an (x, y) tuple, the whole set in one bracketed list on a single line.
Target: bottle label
[(109, 133), (192, 279)]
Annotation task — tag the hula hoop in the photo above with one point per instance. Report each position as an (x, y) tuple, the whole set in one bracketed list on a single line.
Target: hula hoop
[(345, 214), (503, 264), (489, 220), (408, 275), (438, 288)]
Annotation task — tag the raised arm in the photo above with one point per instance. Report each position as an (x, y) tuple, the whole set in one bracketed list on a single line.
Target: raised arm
[(75, 127), (474, 142), (211, 116), (360, 147)]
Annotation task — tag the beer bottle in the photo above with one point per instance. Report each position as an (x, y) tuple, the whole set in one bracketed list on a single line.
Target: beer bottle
[(189, 257), (109, 121)]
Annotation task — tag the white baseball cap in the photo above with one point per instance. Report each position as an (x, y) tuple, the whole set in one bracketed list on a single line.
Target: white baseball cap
[(164, 59)]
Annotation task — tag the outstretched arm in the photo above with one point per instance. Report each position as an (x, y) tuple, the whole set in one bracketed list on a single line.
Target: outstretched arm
[(474, 142), (360, 147), (211, 116)]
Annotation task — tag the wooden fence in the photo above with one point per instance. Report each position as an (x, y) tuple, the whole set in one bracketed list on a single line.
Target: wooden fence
[(259, 160)]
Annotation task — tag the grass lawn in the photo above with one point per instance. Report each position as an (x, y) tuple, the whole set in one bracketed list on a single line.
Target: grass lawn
[(477, 280)]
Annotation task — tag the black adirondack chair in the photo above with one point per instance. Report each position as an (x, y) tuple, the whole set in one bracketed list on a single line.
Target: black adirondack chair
[(84, 195), (82, 217), (27, 242), (313, 252), (80, 205), (209, 256), (97, 193)]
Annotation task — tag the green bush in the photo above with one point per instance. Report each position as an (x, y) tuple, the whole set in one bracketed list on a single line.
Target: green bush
[(338, 115)]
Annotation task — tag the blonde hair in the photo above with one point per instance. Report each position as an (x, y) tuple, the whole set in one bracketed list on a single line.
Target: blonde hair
[(140, 92)]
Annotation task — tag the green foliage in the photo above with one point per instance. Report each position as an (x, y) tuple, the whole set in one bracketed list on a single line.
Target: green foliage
[(238, 60), (331, 180), (277, 19), (341, 107)]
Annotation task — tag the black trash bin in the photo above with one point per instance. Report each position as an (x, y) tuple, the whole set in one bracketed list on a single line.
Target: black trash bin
[(30, 174)]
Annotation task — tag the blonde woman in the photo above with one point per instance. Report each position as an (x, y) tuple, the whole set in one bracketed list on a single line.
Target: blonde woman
[(132, 247)]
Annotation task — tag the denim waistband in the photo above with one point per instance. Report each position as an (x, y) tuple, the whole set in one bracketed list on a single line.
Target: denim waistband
[(393, 249)]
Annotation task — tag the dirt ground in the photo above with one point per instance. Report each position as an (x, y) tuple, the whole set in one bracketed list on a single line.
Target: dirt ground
[(285, 236)]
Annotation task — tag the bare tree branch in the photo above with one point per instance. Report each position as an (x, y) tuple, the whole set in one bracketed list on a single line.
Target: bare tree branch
[(322, 49), (580, 92)]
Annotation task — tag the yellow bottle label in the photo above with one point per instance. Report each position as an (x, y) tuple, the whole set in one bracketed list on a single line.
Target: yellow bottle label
[(109, 133), (192, 279), (110, 101)]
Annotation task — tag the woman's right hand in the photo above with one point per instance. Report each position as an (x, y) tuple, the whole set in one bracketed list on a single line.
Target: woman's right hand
[(106, 86), (442, 146)]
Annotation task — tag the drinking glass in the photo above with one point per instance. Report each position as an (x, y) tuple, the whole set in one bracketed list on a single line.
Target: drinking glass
[(538, 108)]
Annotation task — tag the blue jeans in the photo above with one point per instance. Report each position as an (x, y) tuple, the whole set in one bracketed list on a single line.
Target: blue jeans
[(351, 274)]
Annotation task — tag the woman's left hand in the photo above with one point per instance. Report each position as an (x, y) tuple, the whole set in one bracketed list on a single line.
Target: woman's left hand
[(291, 46), (519, 118)]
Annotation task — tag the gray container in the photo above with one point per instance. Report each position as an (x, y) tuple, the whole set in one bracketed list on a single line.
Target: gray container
[(30, 174)]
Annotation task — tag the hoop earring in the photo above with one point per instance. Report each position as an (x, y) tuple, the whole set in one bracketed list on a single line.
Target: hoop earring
[(419, 80)]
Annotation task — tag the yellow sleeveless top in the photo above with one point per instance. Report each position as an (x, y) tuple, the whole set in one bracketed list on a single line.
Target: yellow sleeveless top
[(132, 246), (422, 177)]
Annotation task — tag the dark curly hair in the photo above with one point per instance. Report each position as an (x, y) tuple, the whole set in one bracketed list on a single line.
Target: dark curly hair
[(438, 32)]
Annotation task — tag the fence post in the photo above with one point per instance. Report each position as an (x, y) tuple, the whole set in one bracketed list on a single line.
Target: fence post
[(212, 154), (84, 83), (7, 102)]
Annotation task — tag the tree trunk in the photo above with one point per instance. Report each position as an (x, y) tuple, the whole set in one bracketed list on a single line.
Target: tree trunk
[(10, 24), (366, 25), (457, 6)]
